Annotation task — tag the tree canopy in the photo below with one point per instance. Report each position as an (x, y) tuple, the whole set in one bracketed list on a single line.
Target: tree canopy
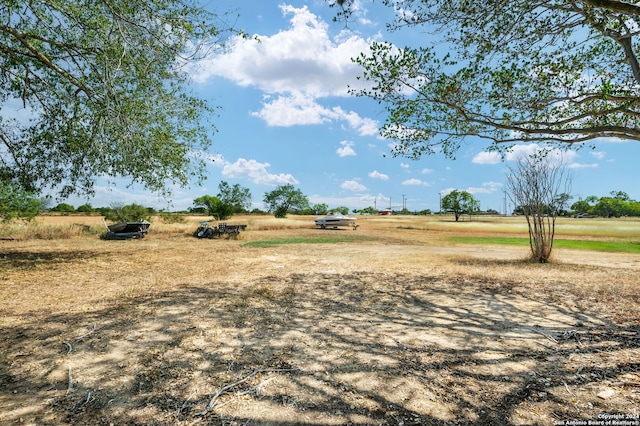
[(16, 203), (237, 196), (459, 203), (214, 206), (230, 200), (558, 71), (102, 90), (119, 212), (284, 199), (616, 205)]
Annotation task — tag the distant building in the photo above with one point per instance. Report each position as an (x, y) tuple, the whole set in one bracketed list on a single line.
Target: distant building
[(386, 212)]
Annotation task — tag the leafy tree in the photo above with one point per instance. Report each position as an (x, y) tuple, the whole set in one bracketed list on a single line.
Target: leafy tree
[(127, 213), (620, 195), (634, 208), (319, 209), (85, 208), (514, 71), (611, 207), (238, 197), (581, 206), (285, 199), (617, 204), (16, 203), (342, 209), (171, 217), (459, 203), (104, 87), (536, 184), (215, 207), (369, 210), (105, 211), (64, 208)]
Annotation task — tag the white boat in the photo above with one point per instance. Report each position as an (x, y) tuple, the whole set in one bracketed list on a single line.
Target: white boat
[(334, 220)]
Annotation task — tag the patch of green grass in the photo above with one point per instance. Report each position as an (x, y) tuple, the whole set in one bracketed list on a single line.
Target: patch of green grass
[(300, 240), (607, 246)]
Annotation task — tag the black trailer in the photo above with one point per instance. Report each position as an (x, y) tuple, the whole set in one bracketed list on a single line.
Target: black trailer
[(205, 230)]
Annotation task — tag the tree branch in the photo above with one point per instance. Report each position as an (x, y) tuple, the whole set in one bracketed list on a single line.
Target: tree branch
[(39, 56), (618, 6)]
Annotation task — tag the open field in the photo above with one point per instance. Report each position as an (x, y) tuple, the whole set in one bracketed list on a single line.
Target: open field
[(404, 321)]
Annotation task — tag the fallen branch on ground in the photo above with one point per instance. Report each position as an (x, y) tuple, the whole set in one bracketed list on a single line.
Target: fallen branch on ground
[(70, 386), (85, 335), (256, 389), (548, 336), (225, 388)]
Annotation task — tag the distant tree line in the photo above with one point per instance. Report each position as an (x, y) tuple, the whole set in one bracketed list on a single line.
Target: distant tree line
[(617, 204), (16, 203)]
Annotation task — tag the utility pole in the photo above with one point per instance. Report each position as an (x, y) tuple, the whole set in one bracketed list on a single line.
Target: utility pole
[(505, 202)]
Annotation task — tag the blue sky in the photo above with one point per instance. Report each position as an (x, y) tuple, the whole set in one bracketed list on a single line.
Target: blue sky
[(286, 117)]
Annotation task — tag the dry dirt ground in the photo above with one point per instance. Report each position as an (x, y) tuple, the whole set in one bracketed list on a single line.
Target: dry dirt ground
[(388, 327)]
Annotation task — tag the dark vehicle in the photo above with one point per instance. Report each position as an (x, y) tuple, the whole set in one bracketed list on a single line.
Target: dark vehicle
[(207, 231)]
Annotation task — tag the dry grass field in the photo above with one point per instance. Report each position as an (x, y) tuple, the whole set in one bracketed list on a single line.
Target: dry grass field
[(390, 324)]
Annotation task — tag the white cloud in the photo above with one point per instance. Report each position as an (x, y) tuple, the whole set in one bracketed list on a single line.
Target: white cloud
[(256, 173), (426, 171), (297, 109), (487, 158), (352, 185), (346, 150), (521, 151), (404, 165), (296, 67), (377, 175), (415, 182), (292, 110), (518, 152), (583, 166), (487, 188), (364, 126), (301, 58), (599, 155)]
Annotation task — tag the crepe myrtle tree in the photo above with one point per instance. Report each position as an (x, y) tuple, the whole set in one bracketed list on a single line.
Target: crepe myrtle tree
[(103, 91), (459, 203), (556, 72), (539, 184), (285, 199)]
